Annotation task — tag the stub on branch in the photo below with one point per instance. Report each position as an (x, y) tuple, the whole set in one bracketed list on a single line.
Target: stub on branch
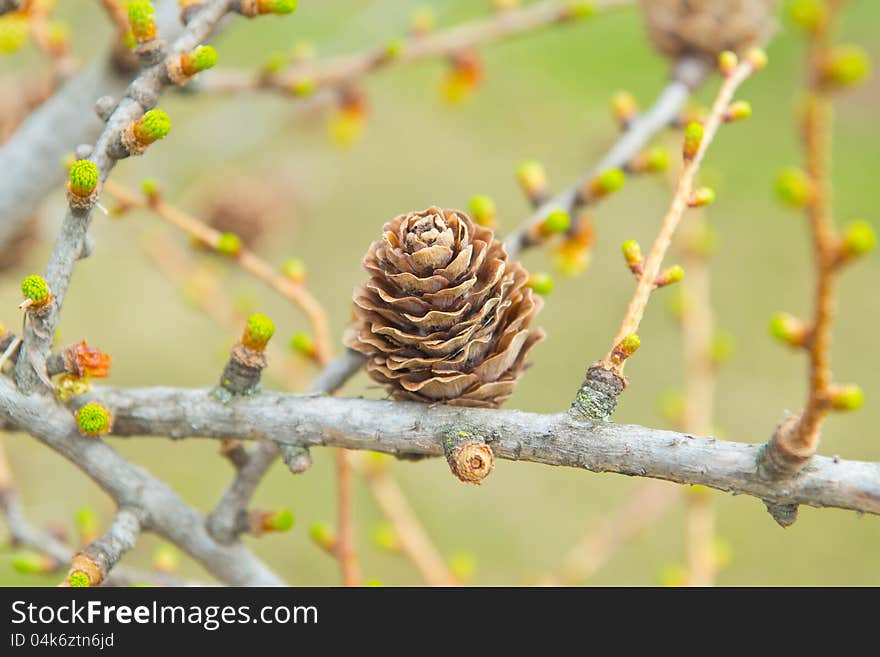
[(469, 456), (596, 399)]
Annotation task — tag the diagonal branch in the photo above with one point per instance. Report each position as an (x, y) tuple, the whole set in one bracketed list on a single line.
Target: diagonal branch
[(92, 565), (335, 73), (130, 485)]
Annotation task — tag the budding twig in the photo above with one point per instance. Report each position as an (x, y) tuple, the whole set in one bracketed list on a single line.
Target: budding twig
[(597, 396), (248, 260), (797, 438), (91, 565), (414, 540), (342, 71)]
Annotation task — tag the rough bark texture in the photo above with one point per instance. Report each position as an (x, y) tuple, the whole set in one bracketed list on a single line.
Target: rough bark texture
[(557, 439)]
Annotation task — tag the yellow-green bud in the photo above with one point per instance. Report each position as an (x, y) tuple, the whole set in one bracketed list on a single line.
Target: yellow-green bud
[(303, 87), (166, 558), (386, 538), (629, 345), (31, 563), (78, 579), (788, 328), (152, 126), (847, 397), (556, 222), (142, 20), (670, 275), (858, 238), (83, 177), (580, 8), (737, 111), (294, 269), (198, 60), (279, 7), (541, 283), (463, 565), (701, 197), (693, 137), (302, 343), (847, 65), (229, 244), (721, 347), (94, 420), (727, 62), (757, 58), (14, 31), (632, 253), (86, 521), (624, 107), (607, 182), (532, 177), (483, 210), (808, 15), (258, 332), (794, 187), (278, 521), (321, 534), (36, 289), (151, 188)]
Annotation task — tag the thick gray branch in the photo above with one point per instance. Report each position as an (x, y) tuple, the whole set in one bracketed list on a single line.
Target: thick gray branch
[(130, 485), (31, 161), (558, 439)]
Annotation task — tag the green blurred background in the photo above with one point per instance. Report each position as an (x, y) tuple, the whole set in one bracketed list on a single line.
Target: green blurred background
[(546, 96)]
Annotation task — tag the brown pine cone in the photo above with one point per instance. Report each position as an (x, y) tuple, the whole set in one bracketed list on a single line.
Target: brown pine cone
[(445, 315), (708, 27)]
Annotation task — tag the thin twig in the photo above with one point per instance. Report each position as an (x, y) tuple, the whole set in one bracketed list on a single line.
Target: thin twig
[(341, 71), (654, 259), (414, 541)]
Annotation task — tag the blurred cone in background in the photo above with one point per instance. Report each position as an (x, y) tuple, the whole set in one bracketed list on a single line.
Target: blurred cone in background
[(708, 27)]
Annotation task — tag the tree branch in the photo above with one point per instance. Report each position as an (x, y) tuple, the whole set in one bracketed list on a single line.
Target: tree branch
[(91, 565), (340, 71), (553, 439), (130, 485)]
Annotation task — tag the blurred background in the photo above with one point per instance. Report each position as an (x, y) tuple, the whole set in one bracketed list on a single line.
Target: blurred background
[(546, 96)]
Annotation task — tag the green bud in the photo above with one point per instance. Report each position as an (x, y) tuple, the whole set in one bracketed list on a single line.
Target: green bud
[(794, 187), (94, 420), (229, 244), (83, 177), (14, 32), (483, 210), (31, 563), (702, 197), (79, 579), (35, 288), (302, 343), (629, 345), (737, 111), (693, 137), (279, 521), (556, 222), (632, 253), (463, 565), (532, 177), (258, 332), (727, 62), (152, 126), (321, 534), (607, 182), (282, 6), (808, 15), (847, 397), (541, 283), (295, 269), (721, 348), (859, 238), (142, 20), (386, 538), (848, 65), (788, 328)]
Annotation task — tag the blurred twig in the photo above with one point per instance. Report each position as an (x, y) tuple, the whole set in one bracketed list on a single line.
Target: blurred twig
[(340, 71)]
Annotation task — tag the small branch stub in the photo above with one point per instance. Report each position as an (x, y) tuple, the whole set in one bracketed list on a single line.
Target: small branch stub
[(241, 376), (596, 399), (469, 456)]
